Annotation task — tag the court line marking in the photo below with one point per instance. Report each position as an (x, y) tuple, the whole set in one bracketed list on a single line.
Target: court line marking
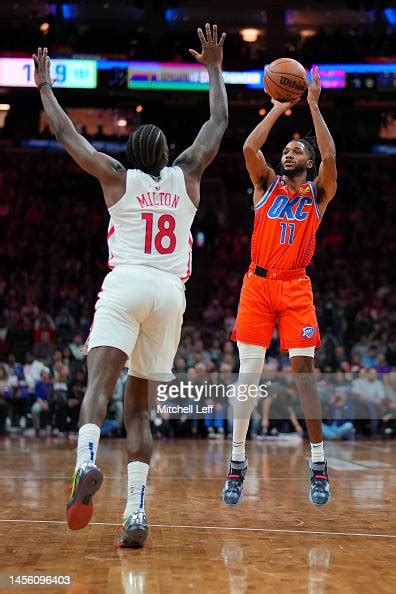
[(230, 528), (207, 478)]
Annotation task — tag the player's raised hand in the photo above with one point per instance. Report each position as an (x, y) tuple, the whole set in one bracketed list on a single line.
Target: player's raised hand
[(212, 50), (284, 105), (314, 87), (42, 67)]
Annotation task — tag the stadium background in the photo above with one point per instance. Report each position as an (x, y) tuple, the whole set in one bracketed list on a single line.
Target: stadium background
[(53, 220)]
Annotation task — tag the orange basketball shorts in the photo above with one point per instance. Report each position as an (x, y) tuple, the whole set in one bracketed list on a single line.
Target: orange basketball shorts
[(265, 301)]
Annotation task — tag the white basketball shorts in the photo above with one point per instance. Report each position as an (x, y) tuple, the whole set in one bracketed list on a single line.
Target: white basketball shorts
[(140, 311)]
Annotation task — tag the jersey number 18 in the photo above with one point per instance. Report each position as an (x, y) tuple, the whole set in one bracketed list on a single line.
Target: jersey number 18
[(166, 226)]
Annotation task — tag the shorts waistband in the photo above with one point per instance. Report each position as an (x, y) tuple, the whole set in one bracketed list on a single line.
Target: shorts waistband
[(273, 274), (145, 271)]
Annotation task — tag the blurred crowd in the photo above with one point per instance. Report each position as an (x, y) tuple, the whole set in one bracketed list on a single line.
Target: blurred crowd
[(53, 260)]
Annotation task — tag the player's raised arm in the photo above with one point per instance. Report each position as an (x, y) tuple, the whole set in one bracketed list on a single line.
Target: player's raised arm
[(194, 160), (326, 181), (102, 166), (261, 174)]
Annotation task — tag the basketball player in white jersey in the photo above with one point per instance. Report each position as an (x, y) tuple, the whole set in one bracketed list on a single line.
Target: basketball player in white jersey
[(139, 312)]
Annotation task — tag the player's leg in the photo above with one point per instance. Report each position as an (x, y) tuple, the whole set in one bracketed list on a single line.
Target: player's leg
[(151, 362), (254, 326), (302, 363), (113, 335), (139, 449), (252, 359), (299, 334), (104, 367)]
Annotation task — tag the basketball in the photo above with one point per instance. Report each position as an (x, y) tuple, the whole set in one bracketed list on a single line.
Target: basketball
[(285, 79)]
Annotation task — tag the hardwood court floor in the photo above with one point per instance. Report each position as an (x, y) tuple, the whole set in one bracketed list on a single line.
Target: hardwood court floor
[(274, 542)]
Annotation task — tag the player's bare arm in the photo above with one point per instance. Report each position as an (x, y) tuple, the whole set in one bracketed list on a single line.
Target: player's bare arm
[(261, 174), (326, 181), (109, 171), (194, 160)]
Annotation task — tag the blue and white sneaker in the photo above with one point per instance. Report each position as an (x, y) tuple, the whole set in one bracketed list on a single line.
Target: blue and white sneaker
[(233, 488), (134, 531), (319, 493)]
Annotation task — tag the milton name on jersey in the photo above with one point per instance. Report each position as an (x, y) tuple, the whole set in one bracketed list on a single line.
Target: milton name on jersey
[(151, 224)]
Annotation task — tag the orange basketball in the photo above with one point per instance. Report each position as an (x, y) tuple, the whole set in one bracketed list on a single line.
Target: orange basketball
[(285, 79)]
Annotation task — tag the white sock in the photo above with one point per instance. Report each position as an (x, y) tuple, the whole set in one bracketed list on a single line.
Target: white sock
[(239, 432), (87, 445), (317, 452), (137, 478)]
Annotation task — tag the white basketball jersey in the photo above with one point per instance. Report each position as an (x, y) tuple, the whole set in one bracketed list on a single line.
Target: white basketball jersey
[(151, 224)]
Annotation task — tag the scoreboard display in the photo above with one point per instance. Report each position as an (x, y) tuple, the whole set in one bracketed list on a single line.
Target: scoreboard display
[(173, 76), (70, 74), (384, 81)]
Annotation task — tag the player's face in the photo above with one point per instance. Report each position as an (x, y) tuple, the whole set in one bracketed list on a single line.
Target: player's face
[(294, 159)]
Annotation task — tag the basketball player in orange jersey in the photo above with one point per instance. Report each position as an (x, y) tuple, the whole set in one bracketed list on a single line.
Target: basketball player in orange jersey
[(288, 211), (139, 312)]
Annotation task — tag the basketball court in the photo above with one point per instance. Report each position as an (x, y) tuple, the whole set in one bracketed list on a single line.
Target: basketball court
[(274, 541)]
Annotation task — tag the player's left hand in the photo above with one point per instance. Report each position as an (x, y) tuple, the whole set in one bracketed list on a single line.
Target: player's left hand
[(212, 50), (314, 87), (42, 67)]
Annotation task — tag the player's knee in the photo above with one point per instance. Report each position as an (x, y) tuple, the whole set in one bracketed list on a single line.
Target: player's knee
[(302, 364)]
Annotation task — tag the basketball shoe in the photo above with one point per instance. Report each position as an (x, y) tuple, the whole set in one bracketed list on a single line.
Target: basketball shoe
[(319, 493), (86, 481), (233, 488), (134, 531)]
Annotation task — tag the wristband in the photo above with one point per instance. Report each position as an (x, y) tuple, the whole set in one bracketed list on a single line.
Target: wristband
[(44, 84)]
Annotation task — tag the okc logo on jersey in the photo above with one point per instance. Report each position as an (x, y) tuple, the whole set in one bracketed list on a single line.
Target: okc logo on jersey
[(308, 331), (291, 210)]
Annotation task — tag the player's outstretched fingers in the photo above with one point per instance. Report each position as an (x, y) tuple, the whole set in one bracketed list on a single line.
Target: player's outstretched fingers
[(201, 36), (208, 33), (215, 34)]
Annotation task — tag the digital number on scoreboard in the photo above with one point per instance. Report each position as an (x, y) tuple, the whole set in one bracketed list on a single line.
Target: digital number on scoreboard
[(70, 74)]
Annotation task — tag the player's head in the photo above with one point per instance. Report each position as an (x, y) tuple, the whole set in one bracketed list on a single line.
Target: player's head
[(299, 156), (147, 149)]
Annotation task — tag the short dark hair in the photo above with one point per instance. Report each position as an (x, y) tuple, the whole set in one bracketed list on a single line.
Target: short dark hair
[(311, 146), (146, 148)]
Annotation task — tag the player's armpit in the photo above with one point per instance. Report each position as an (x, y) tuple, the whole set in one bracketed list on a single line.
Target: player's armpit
[(259, 171), (100, 165)]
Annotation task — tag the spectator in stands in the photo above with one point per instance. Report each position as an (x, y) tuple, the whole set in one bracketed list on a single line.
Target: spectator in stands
[(5, 385), (58, 399), (382, 364), (32, 370), (339, 417), (40, 408), (369, 393), (75, 396), (371, 359), (75, 347)]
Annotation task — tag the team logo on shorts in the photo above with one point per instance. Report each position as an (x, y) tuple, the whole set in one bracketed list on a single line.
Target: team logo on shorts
[(308, 331)]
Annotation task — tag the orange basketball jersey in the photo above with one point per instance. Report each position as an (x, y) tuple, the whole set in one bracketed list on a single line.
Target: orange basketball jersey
[(285, 226)]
